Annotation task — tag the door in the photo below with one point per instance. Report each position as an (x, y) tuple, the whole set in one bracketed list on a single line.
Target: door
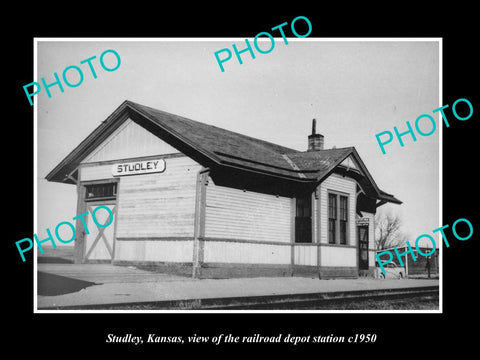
[(99, 243), (363, 247)]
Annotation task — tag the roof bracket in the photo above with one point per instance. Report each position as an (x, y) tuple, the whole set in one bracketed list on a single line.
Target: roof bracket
[(69, 176)]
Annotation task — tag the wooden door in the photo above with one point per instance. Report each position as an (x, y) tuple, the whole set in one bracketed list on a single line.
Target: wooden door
[(363, 247), (99, 243)]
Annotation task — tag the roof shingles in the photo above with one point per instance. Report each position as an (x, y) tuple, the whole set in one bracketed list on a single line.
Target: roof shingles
[(219, 141), (223, 146)]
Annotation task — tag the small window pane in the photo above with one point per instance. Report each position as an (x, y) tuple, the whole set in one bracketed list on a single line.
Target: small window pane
[(331, 231), (101, 191), (332, 206), (343, 232), (304, 206), (343, 208), (343, 219)]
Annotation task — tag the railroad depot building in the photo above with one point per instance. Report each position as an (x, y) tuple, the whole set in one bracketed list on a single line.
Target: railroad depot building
[(200, 200)]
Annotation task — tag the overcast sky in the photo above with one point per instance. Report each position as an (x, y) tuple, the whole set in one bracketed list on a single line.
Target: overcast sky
[(355, 89)]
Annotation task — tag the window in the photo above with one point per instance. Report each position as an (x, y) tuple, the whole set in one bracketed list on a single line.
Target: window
[(332, 218), (101, 191), (343, 219), (304, 206), (303, 219), (337, 219)]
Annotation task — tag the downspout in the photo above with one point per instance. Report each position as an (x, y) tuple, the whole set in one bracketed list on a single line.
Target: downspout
[(199, 222)]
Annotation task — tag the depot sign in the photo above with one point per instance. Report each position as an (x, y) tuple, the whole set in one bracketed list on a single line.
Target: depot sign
[(139, 167)]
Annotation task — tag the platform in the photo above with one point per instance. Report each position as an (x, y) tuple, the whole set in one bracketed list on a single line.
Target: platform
[(93, 286)]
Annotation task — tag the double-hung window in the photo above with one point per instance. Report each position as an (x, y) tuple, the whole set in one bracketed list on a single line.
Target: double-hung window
[(332, 218), (337, 219), (343, 219)]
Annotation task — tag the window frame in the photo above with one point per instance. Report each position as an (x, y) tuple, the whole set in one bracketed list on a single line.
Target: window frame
[(338, 219), (332, 210), (114, 184), (342, 234)]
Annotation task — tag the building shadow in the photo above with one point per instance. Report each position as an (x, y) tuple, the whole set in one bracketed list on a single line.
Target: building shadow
[(52, 285), (53, 260)]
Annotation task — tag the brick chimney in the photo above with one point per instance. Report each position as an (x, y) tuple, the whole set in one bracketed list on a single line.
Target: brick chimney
[(315, 141)]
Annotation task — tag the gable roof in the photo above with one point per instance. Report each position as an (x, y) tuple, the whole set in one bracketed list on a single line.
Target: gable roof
[(214, 146), (222, 145), (318, 164)]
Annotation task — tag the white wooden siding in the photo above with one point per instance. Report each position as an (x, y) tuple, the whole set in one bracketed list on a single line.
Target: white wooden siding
[(128, 141), (305, 255), (338, 256), (315, 215), (245, 253), (371, 229), (235, 214), (96, 172), (147, 250), (371, 258), (345, 185), (159, 205)]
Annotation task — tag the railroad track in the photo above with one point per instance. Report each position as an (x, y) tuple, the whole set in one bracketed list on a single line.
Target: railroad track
[(273, 302), (319, 301)]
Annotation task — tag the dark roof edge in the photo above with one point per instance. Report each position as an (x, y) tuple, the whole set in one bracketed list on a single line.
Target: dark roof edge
[(127, 105), (389, 198), (126, 109), (264, 164), (382, 195), (87, 141), (179, 136), (285, 149), (336, 163)]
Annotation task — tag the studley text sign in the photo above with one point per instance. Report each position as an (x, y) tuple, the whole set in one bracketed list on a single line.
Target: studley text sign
[(139, 167)]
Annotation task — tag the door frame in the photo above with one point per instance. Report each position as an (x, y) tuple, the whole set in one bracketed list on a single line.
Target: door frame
[(82, 205), (363, 264), (93, 204)]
